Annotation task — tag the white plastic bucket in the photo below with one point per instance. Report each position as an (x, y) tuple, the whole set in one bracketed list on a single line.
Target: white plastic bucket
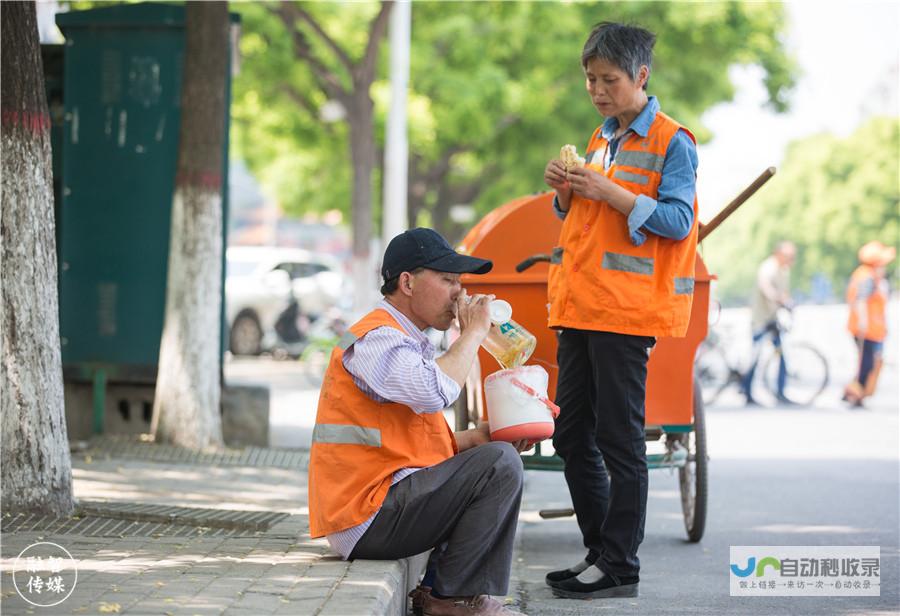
[(517, 405)]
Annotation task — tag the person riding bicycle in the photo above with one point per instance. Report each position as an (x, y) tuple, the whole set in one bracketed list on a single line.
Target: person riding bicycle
[(773, 291)]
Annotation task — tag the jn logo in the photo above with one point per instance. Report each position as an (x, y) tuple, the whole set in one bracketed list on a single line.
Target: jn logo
[(760, 568)]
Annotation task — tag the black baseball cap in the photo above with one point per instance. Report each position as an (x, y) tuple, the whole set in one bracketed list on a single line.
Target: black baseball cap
[(426, 248)]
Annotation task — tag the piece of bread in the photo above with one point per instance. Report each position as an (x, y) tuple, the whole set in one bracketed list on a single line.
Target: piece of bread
[(570, 158)]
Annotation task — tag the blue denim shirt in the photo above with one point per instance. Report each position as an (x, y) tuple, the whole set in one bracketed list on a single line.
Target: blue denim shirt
[(672, 214)]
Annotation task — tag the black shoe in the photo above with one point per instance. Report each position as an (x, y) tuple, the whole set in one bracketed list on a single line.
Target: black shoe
[(785, 401), (555, 577), (604, 586), (751, 402)]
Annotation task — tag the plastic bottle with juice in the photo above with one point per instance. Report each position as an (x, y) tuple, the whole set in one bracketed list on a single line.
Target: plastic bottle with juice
[(507, 341)]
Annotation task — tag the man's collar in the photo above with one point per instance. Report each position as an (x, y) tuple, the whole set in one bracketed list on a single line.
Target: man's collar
[(640, 125), (403, 320)]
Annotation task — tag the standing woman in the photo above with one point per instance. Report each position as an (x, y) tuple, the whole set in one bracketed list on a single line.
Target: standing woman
[(622, 276), (867, 296)]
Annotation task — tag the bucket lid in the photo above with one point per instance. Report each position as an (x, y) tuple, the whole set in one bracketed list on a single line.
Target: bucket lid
[(501, 311)]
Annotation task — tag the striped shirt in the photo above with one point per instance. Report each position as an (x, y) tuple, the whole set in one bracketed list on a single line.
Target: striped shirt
[(390, 366)]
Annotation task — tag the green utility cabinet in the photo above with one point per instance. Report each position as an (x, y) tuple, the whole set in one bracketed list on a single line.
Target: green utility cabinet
[(121, 92)]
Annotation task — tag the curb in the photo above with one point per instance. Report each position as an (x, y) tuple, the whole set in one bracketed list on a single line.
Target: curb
[(382, 585)]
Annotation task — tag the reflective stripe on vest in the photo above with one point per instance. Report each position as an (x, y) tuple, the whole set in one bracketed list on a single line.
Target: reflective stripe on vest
[(684, 286), (641, 160), (347, 340), (627, 263), (628, 176), (337, 434)]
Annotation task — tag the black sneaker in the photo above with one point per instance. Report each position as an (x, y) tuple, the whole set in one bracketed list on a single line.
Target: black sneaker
[(555, 577), (595, 584)]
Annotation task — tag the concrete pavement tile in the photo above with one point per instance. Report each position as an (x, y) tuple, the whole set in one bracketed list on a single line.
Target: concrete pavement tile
[(181, 589), (298, 607), (194, 610), (258, 601), (309, 589), (327, 570), (154, 606), (252, 570), (124, 600), (348, 606), (272, 589)]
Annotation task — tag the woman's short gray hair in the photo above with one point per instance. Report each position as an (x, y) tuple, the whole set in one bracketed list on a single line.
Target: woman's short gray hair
[(628, 47)]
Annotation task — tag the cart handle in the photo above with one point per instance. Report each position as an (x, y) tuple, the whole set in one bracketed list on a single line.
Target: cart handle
[(737, 202), (538, 258)]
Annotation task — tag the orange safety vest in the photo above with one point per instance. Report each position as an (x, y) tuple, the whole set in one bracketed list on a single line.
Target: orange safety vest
[(359, 443), (876, 304), (598, 279)]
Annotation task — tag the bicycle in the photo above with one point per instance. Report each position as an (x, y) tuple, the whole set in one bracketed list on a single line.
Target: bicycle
[(807, 369)]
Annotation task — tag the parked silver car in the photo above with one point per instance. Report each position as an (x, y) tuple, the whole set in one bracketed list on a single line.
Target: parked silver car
[(259, 284)]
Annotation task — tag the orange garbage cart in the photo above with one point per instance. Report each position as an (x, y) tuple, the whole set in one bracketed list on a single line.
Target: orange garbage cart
[(523, 233)]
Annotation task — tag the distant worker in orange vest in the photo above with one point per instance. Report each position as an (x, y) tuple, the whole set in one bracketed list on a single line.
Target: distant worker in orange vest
[(622, 276), (388, 478), (867, 296)]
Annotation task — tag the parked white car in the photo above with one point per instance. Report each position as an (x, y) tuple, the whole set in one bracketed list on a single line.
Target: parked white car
[(258, 286)]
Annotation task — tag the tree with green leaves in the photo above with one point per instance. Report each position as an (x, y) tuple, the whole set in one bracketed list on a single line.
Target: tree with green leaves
[(323, 55), (495, 90), (830, 196)]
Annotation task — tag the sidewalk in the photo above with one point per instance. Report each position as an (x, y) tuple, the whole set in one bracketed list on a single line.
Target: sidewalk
[(168, 531)]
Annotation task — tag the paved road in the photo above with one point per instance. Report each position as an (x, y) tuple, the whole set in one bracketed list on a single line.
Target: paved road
[(815, 490), (778, 476)]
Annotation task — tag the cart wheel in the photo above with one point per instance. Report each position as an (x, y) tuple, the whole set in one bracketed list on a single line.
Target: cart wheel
[(693, 476)]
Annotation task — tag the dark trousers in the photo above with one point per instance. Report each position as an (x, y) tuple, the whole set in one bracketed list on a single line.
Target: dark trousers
[(600, 436), (470, 503), (869, 350), (770, 329)]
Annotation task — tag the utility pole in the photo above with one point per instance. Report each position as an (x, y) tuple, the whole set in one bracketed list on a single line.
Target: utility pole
[(396, 151)]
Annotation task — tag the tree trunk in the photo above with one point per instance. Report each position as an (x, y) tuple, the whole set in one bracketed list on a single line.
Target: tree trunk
[(360, 117), (35, 461), (186, 409), (360, 113)]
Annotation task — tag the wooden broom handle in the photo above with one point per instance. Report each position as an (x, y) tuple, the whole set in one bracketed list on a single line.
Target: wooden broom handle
[(738, 201)]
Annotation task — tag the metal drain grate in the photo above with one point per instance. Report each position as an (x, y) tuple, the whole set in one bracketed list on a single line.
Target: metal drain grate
[(189, 516), (142, 520), (135, 448)]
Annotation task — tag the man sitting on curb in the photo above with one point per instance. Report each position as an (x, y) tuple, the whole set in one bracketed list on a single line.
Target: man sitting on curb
[(388, 479)]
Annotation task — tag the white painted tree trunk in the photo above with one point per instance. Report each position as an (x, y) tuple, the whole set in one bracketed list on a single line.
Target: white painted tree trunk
[(35, 462), (188, 387), (186, 407)]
